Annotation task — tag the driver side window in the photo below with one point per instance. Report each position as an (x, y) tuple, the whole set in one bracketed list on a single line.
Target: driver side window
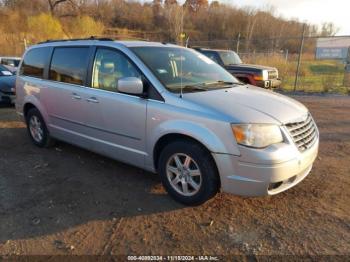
[(109, 67)]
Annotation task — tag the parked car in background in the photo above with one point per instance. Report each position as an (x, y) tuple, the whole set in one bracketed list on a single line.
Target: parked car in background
[(10, 62), (7, 86), (257, 75), (166, 109)]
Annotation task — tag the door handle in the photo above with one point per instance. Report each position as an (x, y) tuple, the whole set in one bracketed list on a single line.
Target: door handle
[(92, 100), (76, 96)]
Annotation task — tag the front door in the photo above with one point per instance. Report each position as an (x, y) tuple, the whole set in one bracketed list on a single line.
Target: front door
[(117, 121)]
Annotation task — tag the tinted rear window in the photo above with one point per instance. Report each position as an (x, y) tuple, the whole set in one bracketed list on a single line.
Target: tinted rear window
[(34, 62), (69, 65)]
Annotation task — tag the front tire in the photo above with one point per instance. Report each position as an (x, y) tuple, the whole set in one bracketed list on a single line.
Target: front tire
[(188, 172), (37, 129)]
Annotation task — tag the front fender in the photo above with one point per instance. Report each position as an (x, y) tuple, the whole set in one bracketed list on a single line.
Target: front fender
[(216, 137), (198, 132)]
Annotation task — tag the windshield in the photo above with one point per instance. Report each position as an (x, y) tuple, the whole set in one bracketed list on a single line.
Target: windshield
[(10, 62), (186, 68), (230, 58)]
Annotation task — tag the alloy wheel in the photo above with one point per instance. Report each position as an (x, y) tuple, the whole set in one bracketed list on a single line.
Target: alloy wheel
[(36, 129), (184, 174)]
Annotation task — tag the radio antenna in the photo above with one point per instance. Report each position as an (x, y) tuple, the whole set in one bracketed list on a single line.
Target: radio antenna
[(182, 29)]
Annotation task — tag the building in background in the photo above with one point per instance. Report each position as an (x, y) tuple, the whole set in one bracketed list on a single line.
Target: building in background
[(332, 48)]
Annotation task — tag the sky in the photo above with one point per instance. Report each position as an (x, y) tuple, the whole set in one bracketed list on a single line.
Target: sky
[(312, 11)]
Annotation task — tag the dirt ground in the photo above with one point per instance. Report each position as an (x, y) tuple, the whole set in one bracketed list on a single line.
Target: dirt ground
[(66, 200)]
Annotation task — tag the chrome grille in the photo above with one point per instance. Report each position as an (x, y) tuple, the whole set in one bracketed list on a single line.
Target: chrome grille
[(273, 74), (304, 133)]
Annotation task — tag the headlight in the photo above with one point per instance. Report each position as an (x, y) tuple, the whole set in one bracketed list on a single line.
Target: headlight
[(257, 135), (265, 74)]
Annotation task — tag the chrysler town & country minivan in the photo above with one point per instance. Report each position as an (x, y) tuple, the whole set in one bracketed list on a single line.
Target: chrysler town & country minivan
[(169, 110)]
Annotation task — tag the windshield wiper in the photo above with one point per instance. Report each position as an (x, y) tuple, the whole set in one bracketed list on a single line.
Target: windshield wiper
[(206, 86), (197, 87), (229, 83)]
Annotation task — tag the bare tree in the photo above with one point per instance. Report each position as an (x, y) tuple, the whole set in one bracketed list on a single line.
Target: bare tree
[(72, 11), (329, 29), (162, 20), (174, 14), (252, 19), (53, 5), (196, 5)]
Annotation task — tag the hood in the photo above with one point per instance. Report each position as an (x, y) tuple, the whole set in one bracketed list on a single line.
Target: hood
[(250, 104), (249, 67), (7, 83)]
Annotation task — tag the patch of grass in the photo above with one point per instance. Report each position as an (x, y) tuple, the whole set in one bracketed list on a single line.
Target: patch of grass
[(322, 76), (326, 68), (315, 83)]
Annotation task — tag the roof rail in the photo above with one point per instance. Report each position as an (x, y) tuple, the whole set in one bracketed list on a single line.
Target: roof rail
[(78, 39)]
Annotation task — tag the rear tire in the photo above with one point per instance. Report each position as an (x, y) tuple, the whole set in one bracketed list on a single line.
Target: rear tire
[(37, 129), (188, 172)]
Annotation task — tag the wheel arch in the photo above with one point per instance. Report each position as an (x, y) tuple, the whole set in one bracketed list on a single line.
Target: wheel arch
[(27, 107), (171, 137), (33, 102)]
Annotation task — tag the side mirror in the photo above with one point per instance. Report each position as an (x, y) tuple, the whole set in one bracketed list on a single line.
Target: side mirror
[(130, 85)]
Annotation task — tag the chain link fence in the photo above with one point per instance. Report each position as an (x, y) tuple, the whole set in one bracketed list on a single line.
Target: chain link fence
[(307, 64)]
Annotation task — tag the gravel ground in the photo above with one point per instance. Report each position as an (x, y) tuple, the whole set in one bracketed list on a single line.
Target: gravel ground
[(65, 200)]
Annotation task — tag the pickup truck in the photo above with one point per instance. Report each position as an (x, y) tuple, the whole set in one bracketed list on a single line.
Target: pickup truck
[(257, 75)]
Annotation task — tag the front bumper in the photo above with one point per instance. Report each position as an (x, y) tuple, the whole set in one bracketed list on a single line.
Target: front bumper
[(272, 83), (258, 179)]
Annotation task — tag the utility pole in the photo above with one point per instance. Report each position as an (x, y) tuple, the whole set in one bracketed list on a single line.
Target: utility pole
[(299, 58), (25, 44), (238, 40), (187, 41)]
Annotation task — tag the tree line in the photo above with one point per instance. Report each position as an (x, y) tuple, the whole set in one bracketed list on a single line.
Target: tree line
[(162, 20)]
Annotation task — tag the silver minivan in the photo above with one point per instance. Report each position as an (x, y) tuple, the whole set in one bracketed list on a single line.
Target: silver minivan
[(169, 110)]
